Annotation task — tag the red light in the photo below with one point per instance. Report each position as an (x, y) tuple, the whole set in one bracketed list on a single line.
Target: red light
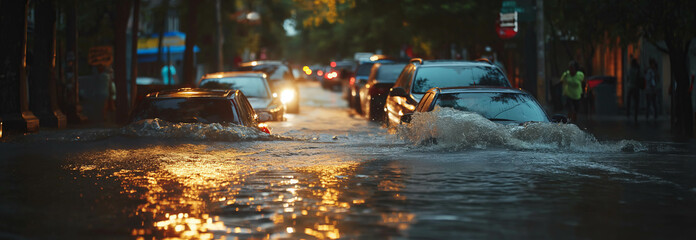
[(352, 81), (320, 73), (333, 64)]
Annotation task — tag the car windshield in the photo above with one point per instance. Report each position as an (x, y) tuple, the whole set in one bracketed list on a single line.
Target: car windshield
[(515, 107), (186, 110), (364, 69), (275, 72), (457, 76), (389, 73), (250, 86)]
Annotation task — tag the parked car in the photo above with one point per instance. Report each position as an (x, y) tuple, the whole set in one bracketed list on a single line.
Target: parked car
[(362, 73), (419, 76), (281, 80), (255, 87), (374, 93), (500, 105), (190, 105)]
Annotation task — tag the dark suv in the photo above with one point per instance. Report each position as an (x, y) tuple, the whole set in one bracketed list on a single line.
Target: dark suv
[(420, 76)]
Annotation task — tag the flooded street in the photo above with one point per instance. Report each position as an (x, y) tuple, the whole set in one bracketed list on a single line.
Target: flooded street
[(327, 173)]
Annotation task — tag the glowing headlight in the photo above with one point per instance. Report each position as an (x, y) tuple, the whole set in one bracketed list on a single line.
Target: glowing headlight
[(287, 96)]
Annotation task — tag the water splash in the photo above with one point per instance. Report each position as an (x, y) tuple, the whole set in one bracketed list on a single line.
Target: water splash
[(196, 131), (453, 129)]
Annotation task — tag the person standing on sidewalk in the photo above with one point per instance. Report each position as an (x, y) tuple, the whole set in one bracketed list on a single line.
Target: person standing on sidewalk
[(634, 84), (651, 89), (572, 89)]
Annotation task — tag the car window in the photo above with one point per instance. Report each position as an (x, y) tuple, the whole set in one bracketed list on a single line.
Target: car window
[(389, 73), (250, 86), (511, 106), (275, 72), (245, 106), (364, 69), (457, 76), (189, 110)]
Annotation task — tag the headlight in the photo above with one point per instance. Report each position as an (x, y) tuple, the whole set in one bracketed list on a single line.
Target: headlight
[(287, 96)]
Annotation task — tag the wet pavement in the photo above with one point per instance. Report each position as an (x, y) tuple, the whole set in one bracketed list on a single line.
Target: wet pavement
[(330, 174)]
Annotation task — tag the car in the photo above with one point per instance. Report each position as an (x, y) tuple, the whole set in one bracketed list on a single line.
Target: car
[(191, 105), (507, 106), (255, 87), (281, 80), (374, 93), (337, 74), (362, 73), (419, 76)]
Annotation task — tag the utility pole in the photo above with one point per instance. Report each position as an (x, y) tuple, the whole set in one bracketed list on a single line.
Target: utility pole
[(220, 38), (542, 93)]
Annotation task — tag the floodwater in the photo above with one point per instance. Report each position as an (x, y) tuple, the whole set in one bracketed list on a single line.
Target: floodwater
[(329, 174)]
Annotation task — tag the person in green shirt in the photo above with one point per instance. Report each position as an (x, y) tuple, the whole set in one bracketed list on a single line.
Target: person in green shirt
[(572, 89)]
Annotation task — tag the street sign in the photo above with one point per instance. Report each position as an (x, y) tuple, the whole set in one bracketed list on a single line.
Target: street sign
[(101, 55), (507, 25)]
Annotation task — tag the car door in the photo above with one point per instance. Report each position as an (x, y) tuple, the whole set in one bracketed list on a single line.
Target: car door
[(396, 106)]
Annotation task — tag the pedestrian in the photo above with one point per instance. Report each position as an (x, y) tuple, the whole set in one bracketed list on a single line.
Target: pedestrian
[(634, 83), (651, 89), (168, 74), (572, 89)]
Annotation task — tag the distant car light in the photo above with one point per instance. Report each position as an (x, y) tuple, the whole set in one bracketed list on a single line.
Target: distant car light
[(287, 95), (333, 64), (331, 75), (352, 81), (320, 73)]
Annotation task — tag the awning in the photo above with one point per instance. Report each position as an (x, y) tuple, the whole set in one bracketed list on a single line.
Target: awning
[(173, 44)]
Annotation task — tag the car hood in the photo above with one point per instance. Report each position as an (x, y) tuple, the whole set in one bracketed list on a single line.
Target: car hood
[(259, 103)]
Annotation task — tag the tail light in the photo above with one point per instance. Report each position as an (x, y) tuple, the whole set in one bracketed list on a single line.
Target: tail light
[(332, 75), (264, 128), (352, 81), (320, 73)]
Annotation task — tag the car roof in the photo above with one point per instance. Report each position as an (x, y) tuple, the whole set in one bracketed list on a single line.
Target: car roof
[(441, 63), (452, 90), (194, 93), (234, 74), (263, 62)]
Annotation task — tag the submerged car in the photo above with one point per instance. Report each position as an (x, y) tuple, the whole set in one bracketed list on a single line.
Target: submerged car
[(500, 105), (419, 76), (190, 105), (254, 86), (281, 80)]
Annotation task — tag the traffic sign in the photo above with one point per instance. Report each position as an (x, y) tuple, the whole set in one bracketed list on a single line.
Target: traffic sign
[(101, 55)]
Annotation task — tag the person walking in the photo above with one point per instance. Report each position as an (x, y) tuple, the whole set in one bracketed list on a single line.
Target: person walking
[(633, 84), (651, 89), (572, 89)]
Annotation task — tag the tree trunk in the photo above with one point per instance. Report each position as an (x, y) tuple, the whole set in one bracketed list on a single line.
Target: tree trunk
[(682, 121), (122, 15), (191, 35), (42, 82), (134, 52), (160, 38), (74, 108), (14, 106)]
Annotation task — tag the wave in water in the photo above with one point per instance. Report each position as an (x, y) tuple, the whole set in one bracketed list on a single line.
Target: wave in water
[(197, 131), (453, 129)]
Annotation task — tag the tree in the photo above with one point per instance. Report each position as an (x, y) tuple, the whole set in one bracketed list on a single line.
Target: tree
[(191, 35), (120, 24)]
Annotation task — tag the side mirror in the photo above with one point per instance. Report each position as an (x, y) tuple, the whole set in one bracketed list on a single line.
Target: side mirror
[(397, 92), (406, 118), (559, 118), (264, 117)]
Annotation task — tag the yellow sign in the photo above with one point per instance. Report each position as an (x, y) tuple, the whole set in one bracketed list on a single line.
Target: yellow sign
[(144, 43), (101, 55)]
